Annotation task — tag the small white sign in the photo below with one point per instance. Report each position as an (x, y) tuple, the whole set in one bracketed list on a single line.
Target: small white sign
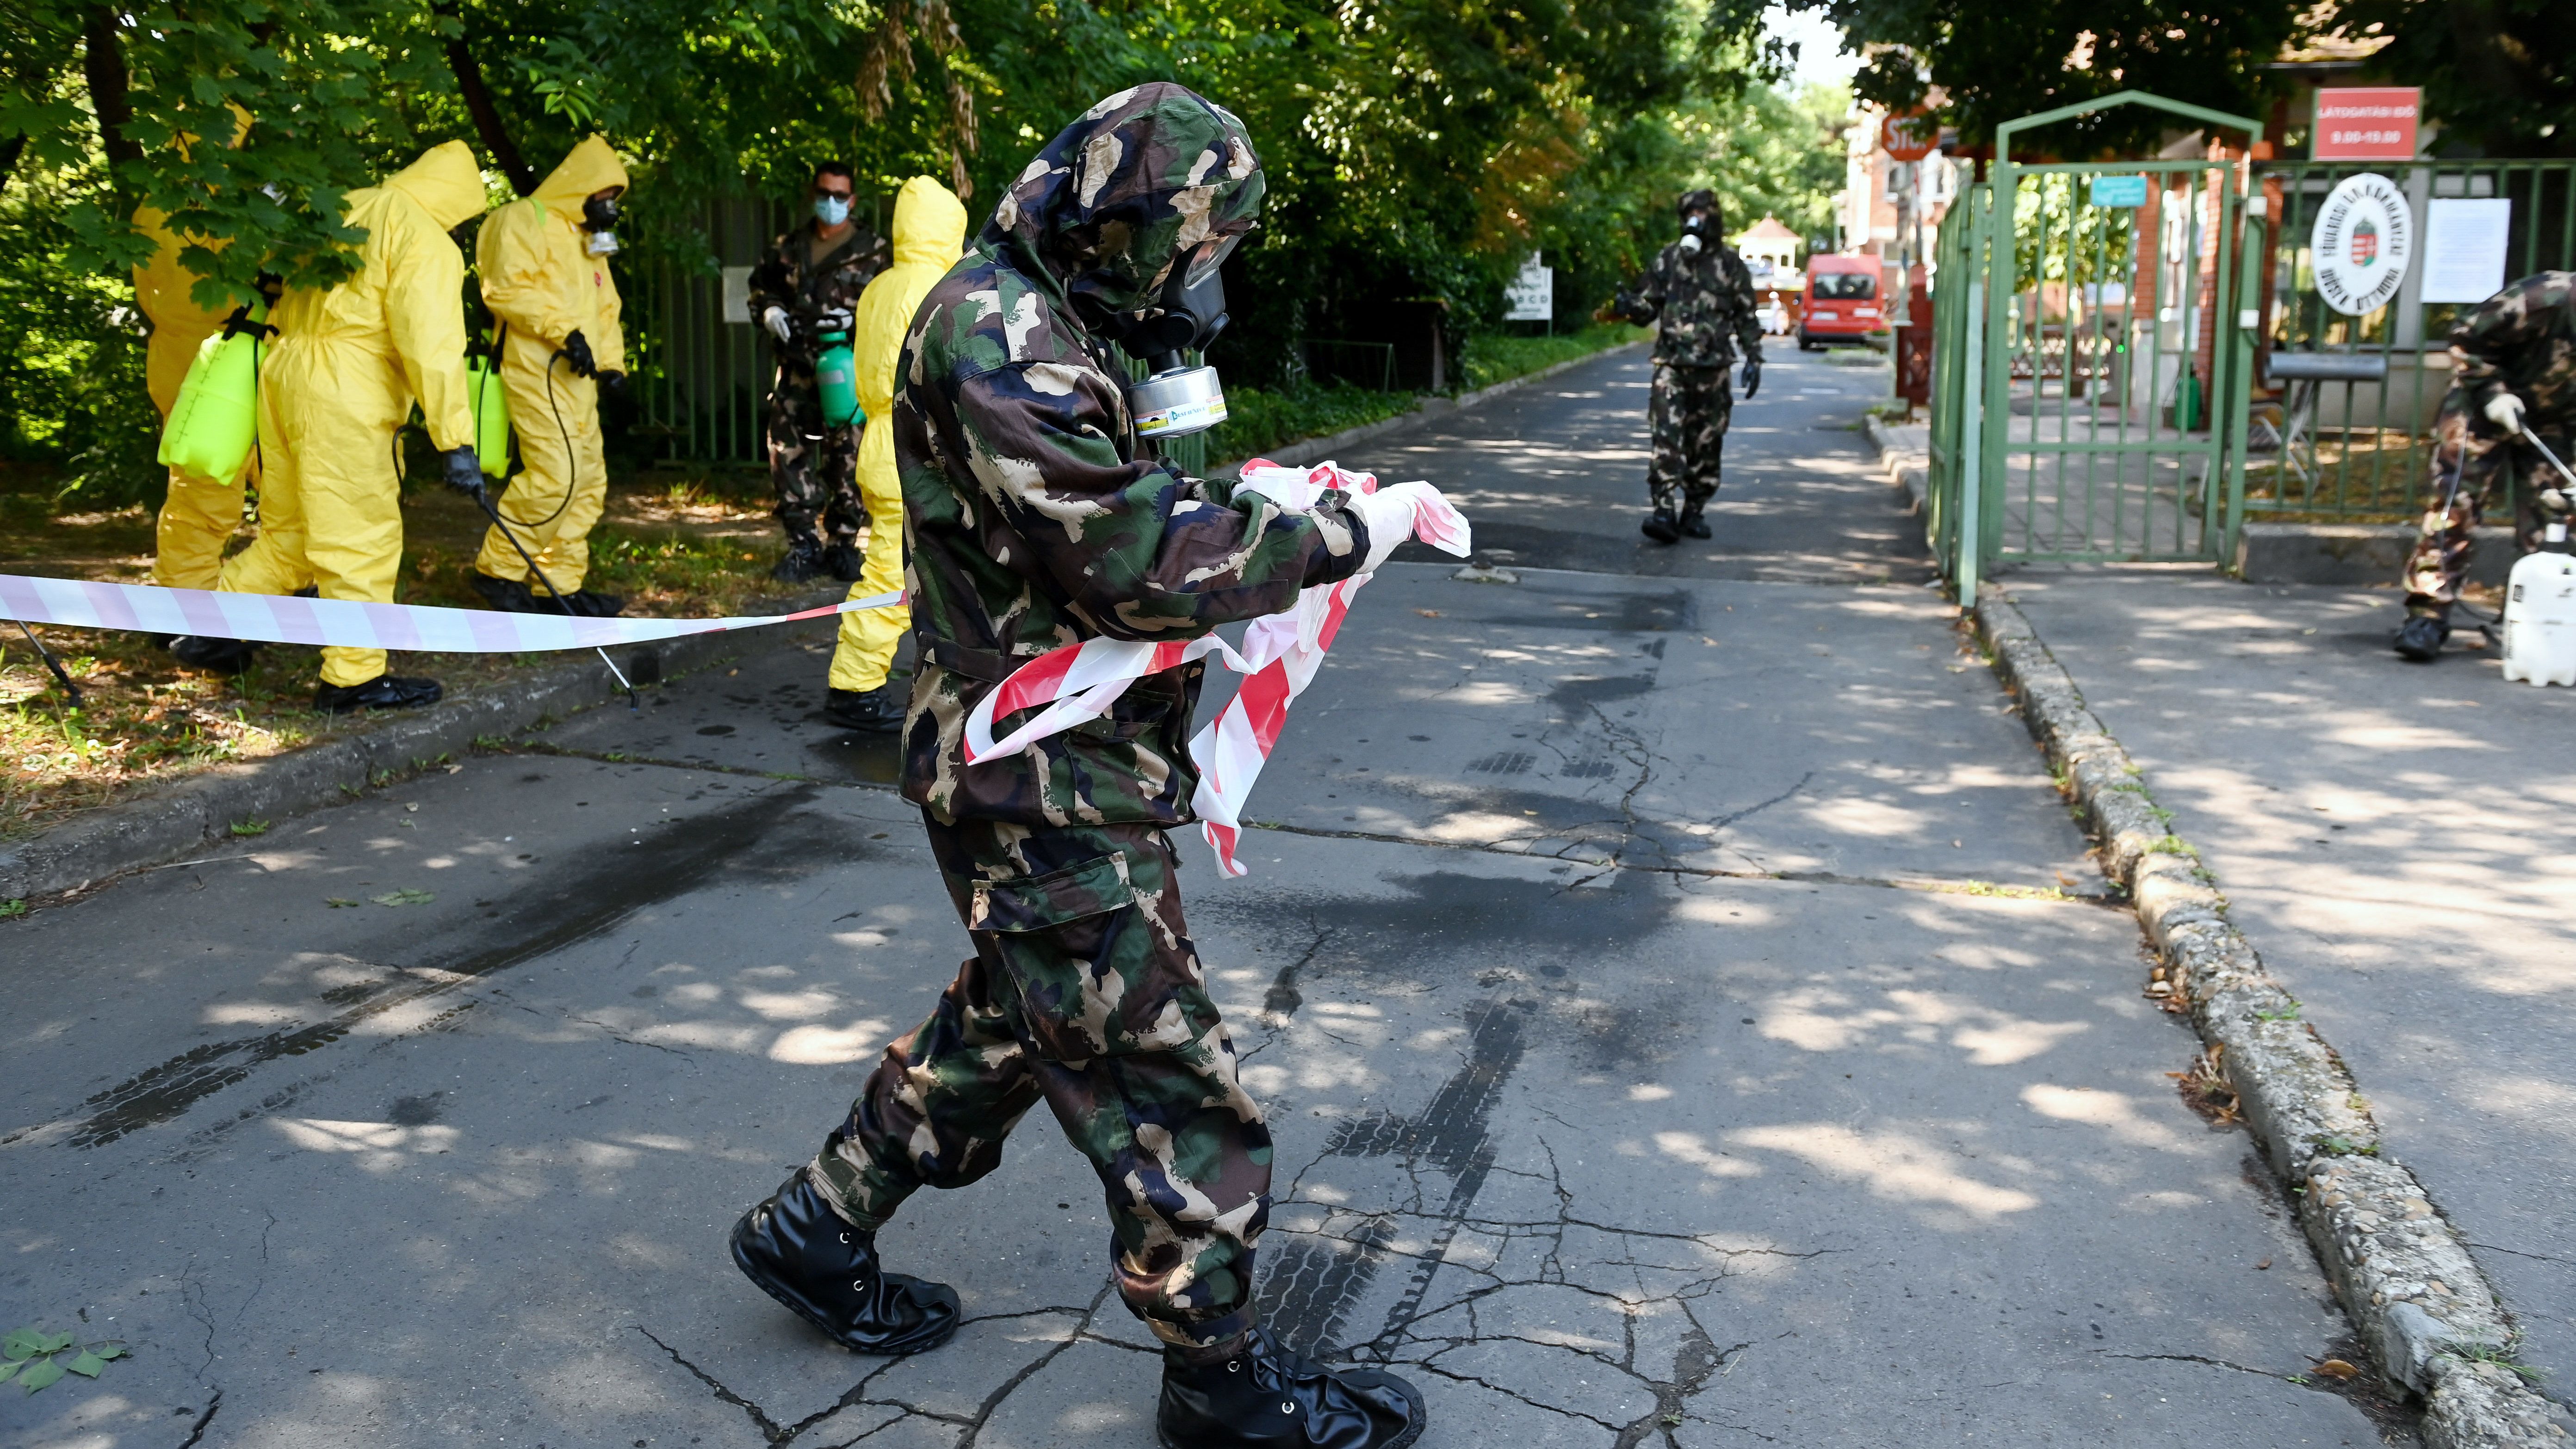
[(737, 294), (1532, 295), (2363, 239), (2464, 245)]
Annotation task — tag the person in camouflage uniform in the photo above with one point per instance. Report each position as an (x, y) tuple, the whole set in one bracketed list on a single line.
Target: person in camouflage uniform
[(1037, 518), (817, 270), (1699, 295), (2513, 367)]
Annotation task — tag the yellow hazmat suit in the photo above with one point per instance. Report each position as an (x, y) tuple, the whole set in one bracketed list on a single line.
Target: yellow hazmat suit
[(929, 234), (543, 285), (200, 514), (338, 381)]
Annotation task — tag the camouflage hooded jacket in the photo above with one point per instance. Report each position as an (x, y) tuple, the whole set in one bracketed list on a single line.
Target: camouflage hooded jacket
[(2522, 340), (791, 277), (1034, 516), (1702, 300)]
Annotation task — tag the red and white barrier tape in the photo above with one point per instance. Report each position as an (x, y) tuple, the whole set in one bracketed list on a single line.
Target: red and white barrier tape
[(1281, 652), (272, 619)]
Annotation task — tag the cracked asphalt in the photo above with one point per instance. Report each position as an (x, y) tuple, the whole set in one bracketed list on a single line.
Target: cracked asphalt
[(1685, 1009)]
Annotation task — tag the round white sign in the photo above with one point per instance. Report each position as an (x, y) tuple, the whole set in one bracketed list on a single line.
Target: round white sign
[(2363, 239)]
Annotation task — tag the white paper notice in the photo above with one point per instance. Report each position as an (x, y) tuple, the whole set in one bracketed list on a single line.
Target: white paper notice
[(2464, 249)]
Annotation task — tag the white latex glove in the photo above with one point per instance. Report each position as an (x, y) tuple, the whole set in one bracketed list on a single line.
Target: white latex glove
[(775, 319), (2505, 411), (1387, 514)]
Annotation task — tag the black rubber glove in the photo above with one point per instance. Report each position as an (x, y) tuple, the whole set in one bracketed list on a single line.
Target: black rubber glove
[(464, 471), (612, 386), (576, 350), (1752, 375)]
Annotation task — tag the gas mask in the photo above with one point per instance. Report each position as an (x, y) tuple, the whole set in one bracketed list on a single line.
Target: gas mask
[(599, 218), (1188, 313)]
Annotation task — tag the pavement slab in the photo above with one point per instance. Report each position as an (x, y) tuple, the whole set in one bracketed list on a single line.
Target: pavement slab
[(2396, 840), (1817, 1129)]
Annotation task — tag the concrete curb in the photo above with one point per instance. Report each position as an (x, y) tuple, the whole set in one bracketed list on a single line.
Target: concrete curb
[(163, 823), (1909, 471), (2401, 1269), (1305, 452)]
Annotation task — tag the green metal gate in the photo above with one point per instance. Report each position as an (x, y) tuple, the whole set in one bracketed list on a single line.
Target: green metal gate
[(2090, 396)]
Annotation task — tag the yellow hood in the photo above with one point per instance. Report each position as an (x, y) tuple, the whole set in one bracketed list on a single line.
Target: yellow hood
[(929, 224), (445, 182), (589, 167)]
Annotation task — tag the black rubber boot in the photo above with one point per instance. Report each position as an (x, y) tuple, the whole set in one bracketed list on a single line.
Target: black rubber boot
[(1265, 1397), (1661, 527), (592, 605), (215, 656), (385, 691), (804, 1255), (877, 711), (2420, 638), (1692, 525), (510, 596), (844, 561), (802, 562)]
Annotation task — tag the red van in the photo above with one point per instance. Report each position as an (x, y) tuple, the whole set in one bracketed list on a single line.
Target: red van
[(1842, 302)]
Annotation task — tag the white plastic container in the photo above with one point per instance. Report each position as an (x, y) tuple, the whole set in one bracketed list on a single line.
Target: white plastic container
[(2540, 617)]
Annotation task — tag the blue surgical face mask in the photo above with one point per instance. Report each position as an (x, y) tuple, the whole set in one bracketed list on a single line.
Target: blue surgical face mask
[(832, 210)]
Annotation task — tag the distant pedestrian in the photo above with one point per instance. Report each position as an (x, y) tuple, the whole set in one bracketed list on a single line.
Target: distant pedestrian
[(814, 274), (2513, 367), (1699, 293)]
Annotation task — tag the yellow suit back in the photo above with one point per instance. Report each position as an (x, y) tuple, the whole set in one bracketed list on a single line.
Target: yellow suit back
[(929, 235)]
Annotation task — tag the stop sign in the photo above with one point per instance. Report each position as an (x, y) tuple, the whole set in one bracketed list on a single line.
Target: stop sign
[(1909, 137)]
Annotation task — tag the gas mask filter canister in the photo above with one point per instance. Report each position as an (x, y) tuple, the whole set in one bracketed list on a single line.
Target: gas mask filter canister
[(599, 218), (1177, 400)]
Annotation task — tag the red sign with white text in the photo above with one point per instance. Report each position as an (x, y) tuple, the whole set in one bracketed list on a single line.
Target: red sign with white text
[(2365, 123), (1909, 137)]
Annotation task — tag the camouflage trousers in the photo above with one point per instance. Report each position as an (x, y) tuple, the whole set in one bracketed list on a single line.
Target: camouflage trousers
[(2472, 449), (814, 469), (1084, 990), (1688, 418)]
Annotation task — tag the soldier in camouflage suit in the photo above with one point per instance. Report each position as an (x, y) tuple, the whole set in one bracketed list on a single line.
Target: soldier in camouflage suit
[(814, 469), (1700, 294), (1035, 519), (2514, 357)]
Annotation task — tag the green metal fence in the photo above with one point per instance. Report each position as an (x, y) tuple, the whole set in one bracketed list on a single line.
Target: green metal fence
[(2089, 396), (2349, 433)]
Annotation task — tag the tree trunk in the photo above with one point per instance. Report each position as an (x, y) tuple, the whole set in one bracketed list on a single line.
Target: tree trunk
[(103, 66), (9, 150), (487, 117)]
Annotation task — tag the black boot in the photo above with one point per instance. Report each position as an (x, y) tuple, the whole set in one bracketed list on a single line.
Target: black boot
[(804, 1255), (843, 560), (1265, 1397), (802, 562), (877, 711), (215, 656), (2420, 637), (385, 691), (1692, 525), (1661, 527), (590, 604), (510, 596)]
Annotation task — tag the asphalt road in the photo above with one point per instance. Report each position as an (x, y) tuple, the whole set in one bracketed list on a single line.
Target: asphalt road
[(1684, 1008), (2398, 841)]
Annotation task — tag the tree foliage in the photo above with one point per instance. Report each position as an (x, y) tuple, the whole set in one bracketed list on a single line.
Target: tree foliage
[(1417, 149), (1997, 63), (2501, 73)]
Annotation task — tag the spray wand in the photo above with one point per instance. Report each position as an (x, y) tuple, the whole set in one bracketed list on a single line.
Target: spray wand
[(60, 676), (485, 500)]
